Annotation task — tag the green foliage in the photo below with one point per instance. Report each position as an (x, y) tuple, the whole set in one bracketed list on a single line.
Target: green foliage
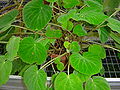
[(114, 24), (36, 15), (60, 30), (87, 63), (68, 25), (95, 4), (35, 79), (60, 66), (66, 44), (83, 77), (103, 34), (17, 66), (74, 46), (5, 70), (64, 19), (8, 18), (78, 30), (51, 0), (5, 28), (110, 5), (95, 48), (54, 33), (31, 51), (115, 37), (90, 15), (97, 83), (12, 47), (70, 3), (67, 82), (102, 71)]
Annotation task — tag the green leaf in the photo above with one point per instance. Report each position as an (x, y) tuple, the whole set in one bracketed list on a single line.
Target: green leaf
[(117, 45), (95, 4), (2, 57), (66, 44), (87, 63), (57, 60), (102, 71), (54, 33), (35, 79), (94, 50), (8, 18), (68, 25), (97, 83), (5, 70), (115, 37), (103, 34), (100, 1), (60, 66), (36, 15), (53, 77), (90, 15), (12, 47), (78, 30), (5, 28), (67, 82), (74, 46), (51, 0), (110, 5), (31, 51), (72, 12), (114, 24), (63, 18), (18, 65), (70, 3), (43, 41), (21, 73), (6, 35), (83, 77)]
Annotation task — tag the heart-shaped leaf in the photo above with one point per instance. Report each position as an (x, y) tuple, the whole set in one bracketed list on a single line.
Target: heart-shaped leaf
[(35, 79), (31, 51), (67, 82), (95, 48), (97, 83), (89, 63), (36, 15)]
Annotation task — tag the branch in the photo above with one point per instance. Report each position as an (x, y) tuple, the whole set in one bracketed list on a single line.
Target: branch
[(51, 61)]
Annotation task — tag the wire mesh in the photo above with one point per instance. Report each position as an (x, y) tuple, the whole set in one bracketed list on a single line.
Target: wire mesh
[(111, 63)]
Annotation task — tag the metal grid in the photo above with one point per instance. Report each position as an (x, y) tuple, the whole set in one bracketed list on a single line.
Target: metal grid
[(111, 64)]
